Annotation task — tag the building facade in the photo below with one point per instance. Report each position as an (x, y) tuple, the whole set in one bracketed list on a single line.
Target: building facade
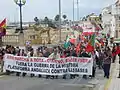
[(111, 19)]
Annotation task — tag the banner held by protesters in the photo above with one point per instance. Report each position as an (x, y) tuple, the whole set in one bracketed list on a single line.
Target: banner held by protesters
[(47, 66)]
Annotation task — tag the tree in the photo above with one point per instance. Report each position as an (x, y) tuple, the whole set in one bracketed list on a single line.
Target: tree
[(46, 20), (84, 19), (52, 25), (57, 17), (36, 21), (64, 17)]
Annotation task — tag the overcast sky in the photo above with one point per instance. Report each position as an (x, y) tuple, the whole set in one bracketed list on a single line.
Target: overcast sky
[(49, 8)]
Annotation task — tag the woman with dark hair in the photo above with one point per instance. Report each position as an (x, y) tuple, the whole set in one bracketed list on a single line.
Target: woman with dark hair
[(107, 62)]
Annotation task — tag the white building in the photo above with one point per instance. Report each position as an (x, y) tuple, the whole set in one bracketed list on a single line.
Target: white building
[(111, 19), (108, 21), (113, 27)]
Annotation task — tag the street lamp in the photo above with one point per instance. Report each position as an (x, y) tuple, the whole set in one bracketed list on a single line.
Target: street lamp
[(20, 3), (60, 20)]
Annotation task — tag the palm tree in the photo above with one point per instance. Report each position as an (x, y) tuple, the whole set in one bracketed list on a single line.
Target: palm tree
[(36, 21), (52, 25), (57, 17), (46, 21), (64, 17)]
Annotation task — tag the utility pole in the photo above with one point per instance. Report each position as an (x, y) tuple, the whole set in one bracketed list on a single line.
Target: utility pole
[(73, 12), (60, 20)]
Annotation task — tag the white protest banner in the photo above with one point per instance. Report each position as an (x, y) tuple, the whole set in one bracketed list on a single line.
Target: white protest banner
[(47, 66)]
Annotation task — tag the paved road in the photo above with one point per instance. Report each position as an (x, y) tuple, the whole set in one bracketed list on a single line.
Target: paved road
[(13, 82), (27, 83)]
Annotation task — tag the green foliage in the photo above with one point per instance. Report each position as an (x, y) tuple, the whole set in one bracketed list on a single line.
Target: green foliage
[(36, 21), (46, 20), (57, 17), (64, 16)]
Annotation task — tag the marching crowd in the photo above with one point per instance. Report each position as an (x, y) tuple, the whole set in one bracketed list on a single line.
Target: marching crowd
[(102, 56)]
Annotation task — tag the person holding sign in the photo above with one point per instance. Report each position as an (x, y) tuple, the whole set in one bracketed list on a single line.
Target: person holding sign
[(84, 54), (54, 55)]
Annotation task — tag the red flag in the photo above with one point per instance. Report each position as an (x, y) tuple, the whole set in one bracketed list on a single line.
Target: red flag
[(3, 28), (117, 51), (3, 23), (91, 44), (72, 40)]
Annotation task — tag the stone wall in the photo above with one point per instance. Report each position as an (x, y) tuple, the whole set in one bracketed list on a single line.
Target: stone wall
[(30, 35)]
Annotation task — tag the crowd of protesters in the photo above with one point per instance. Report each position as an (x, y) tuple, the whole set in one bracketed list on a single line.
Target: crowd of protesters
[(102, 56)]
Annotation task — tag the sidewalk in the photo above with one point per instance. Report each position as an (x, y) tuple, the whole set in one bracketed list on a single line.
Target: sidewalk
[(104, 83), (114, 82)]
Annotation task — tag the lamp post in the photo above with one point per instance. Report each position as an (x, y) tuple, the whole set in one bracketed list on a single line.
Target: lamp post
[(20, 3), (60, 20)]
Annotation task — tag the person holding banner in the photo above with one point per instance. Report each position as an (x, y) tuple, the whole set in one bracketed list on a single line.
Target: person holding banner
[(54, 55), (74, 54), (8, 51), (84, 54), (31, 55), (94, 64), (1, 59), (46, 52)]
